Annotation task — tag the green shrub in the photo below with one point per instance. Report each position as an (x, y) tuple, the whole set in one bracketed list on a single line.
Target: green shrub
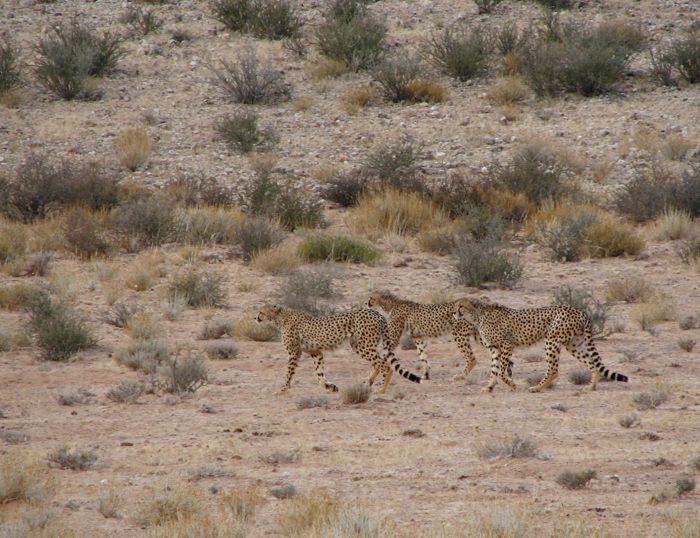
[(460, 52), (221, 350), (345, 189), (486, 6), (126, 392), (249, 82), (270, 19), (256, 234), (262, 195), (566, 236), (479, 262), (686, 344), (59, 330), (629, 420), (394, 163), (40, 184), (72, 52), (684, 484), (554, 4), (340, 248), (400, 78), (578, 58), (511, 447), (241, 132), (352, 36), (583, 300), (200, 190), (534, 171), (10, 74), (199, 289), (144, 21)]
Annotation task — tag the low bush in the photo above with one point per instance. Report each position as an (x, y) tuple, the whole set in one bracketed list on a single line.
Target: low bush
[(312, 402), (283, 492), (126, 392), (307, 289), (582, 299), (358, 98), (73, 397), (508, 91), (175, 505), (631, 289), (247, 328), (679, 60), (200, 190), (345, 189), (610, 237), (13, 240), (85, 233), (184, 374), (256, 234), (460, 52), (575, 479), (687, 344), (143, 326), (264, 196), (248, 81), (59, 330), (133, 147), (479, 262), (143, 355), (241, 132), (651, 399), (206, 225), (629, 420), (658, 308), (199, 289), (75, 459), (22, 479), (684, 484), (143, 21), (689, 248), (10, 73), (511, 447), (400, 78), (486, 6), (18, 296), (217, 328), (110, 505), (339, 247), (581, 376), (277, 260), (352, 36), (394, 164), (356, 394), (269, 19), (672, 225), (72, 52), (147, 221), (221, 350), (40, 184), (580, 59)]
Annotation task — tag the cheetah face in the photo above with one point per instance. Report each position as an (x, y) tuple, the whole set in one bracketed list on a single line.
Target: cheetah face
[(375, 299), (464, 309), (268, 313)]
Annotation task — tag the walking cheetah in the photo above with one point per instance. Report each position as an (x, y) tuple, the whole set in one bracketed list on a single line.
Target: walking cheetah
[(366, 329), (422, 321), (502, 329)]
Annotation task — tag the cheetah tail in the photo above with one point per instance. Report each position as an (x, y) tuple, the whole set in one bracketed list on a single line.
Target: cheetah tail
[(608, 374), (387, 354)]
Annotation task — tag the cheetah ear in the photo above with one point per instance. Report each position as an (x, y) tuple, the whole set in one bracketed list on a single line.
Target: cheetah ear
[(485, 299)]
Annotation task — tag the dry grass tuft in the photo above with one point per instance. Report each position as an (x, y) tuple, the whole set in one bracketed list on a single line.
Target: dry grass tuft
[(672, 225), (133, 147), (395, 212), (145, 271), (277, 260), (75, 460), (356, 394), (575, 479), (111, 505), (179, 504), (23, 479), (512, 447), (247, 328), (631, 289), (143, 326), (508, 91), (629, 420), (658, 308), (652, 398), (686, 344), (328, 68), (359, 98)]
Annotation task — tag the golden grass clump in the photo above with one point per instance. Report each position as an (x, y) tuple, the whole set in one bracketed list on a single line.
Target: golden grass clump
[(23, 479), (133, 147), (676, 147), (358, 98), (673, 224), (630, 288), (396, 212), (143, 326), (426, 90), (172, 506), (610, 237), (328, 68), (303, 103), (308, 515), (17, 296), (507, 92), (145, 271), (658, 308), (246, 327), (277, 260)]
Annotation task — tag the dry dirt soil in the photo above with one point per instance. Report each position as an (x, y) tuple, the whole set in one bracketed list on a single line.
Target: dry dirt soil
[(369, 454)]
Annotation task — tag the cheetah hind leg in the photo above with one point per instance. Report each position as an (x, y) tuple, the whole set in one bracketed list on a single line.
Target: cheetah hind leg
[(466, 349), (317, 356), (422, 345), (551, 350)]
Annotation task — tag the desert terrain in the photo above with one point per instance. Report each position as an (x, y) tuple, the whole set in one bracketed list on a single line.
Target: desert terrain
[(438, 459)]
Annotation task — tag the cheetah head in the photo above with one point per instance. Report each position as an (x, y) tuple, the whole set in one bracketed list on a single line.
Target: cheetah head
[(378, 299), (466, 309), (268, 313)]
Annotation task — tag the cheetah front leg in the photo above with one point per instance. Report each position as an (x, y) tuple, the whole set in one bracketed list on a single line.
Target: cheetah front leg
[(551, 350), (294, 351), (422, 345), (466, 349), (317, 356)]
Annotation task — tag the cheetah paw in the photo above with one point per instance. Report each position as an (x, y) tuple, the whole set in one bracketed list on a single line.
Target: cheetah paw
[(331, 387), (534, 389), (458, 377)]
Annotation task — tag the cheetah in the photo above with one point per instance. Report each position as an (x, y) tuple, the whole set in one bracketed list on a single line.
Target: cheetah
[(502, 329), (426, 320), (367, 330)]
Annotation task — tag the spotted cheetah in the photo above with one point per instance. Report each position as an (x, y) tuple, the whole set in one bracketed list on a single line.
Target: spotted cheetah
[(502, 329), (422, 321), (366, 329)]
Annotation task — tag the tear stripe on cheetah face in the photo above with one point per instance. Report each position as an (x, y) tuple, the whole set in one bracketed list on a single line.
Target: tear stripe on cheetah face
[(366, 329), (502, 329), (423, 321)]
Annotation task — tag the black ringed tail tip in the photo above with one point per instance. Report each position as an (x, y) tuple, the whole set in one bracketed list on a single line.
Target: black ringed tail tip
[(613, 376)]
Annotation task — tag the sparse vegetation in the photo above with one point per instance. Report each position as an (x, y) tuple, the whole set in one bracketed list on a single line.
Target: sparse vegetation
[(585, 301), (146, 221), (71, 53), (486, 6), (241, 132), (249, 81), (22, 479), (400, 78), (652, 398), (248, 329), (631, 289), (277, 260), (17, 296), (460, 52), (85, 234), (479, 262), (356, 394), (684, 484), (575, 479), (307, 288), (339, 247), (580, 377), (110, 505), (14, 437), (269, 19), (73, 397), (394, 164), (312, 402), (199, 289), (284, 492), (221, 350), (658, 308), (143, 355), (59, 330), (277, 457), (74, 459), (10, 73), (178, 504), (511, 447), (687, 344), (141, 20), (184, 374), (216, 328), (679, 60)]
